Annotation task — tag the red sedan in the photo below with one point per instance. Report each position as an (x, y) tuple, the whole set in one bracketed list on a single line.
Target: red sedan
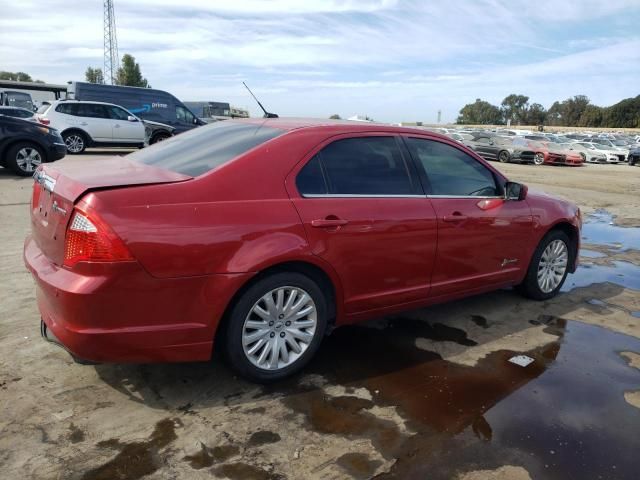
[(259, 236)]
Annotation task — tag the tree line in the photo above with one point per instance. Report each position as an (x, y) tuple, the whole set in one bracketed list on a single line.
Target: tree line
[(577, 111)]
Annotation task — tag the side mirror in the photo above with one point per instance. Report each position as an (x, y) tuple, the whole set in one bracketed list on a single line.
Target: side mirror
[(131, 118), (515, 191)]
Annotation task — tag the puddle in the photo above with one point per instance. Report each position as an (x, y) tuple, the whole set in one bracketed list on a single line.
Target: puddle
[(621, 273), (591, 253), (548, 417), (135, 459), (599, 229)]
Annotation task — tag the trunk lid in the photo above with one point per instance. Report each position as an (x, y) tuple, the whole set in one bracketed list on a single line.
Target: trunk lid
[(59, 186)]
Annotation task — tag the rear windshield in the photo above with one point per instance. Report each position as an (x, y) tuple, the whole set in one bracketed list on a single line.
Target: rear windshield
[(205, 148)]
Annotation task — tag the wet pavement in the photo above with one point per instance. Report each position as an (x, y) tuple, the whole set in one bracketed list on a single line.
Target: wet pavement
[(428, 394)]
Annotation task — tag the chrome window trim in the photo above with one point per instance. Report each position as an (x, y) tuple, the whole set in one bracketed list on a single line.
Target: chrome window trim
[(351, 195), (354, 195), (464, 196)]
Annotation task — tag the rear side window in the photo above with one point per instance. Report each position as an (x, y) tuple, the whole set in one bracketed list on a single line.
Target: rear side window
[(450, 171), (92, 110), (204, 148), (67, 108), (357, 166)]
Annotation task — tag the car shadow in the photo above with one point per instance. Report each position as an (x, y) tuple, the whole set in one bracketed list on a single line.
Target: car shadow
[(356, 355)]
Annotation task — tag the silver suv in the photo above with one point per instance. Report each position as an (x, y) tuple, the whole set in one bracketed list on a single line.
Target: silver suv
[(94, 124)]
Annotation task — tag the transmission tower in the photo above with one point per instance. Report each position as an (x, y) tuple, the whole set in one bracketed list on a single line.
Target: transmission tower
[(111, 58)]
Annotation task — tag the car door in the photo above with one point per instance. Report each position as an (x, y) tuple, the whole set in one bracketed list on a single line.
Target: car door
[(483, 239), (364, 213), (93, 119), (123, 129), (485, 148)]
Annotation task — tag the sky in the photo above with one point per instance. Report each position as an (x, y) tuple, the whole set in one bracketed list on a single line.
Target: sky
[(393, 60)]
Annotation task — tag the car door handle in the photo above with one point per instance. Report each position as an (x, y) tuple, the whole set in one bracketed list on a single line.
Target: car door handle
[(454, 217), (117, 125), (328, 222)]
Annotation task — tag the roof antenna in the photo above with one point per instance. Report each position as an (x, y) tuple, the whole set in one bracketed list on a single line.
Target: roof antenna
[(266, 114)]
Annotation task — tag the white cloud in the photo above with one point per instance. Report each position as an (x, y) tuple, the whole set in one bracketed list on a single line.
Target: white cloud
[(393, 60)]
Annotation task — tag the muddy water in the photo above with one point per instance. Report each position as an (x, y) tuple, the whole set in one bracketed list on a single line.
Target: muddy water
[(563, 416)]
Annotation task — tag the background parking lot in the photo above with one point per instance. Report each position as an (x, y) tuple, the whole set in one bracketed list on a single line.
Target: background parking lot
[(430, 392)]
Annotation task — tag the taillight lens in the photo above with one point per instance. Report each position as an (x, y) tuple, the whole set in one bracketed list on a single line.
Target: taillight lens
[(44, 121), (35, 196), (89, 239)]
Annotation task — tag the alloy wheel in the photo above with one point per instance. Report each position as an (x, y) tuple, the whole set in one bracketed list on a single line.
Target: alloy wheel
[(28, 159), (552, 265), (279, 328), (538, 159), (74, 143)]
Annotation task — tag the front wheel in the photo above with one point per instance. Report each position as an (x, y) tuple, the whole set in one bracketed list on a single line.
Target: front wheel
[(275, 327), (538, 159), (549, 267), (159, 137), (24, 157)]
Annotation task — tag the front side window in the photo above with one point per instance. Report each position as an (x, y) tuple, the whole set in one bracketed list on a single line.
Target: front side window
[(116, 113), (184, 115), (357, 166), (450, 171)]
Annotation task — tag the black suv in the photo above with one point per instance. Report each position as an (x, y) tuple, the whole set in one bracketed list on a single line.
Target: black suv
[(25, 145)]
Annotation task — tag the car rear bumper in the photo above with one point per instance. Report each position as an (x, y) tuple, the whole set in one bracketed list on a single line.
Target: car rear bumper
[(119, 313)]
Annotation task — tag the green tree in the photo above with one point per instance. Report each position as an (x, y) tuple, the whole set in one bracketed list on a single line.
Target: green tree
[(591, 117), (129, 73), (18, 77), (514, 108), (624, 114), (535, 115), (94, 75), (480, 112), (335, 116)]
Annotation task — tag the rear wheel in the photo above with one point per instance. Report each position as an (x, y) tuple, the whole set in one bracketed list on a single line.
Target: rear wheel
[(275, 327), (76, 142), (538, 158), (549, 267), (24, 157), (504, 156)]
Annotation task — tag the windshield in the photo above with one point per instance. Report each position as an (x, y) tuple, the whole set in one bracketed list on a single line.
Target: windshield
[(205, 148), (620, 143)]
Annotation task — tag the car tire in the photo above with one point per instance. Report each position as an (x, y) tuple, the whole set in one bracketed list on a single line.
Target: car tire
[(503, 156), (550, 263), (250, 338), (584, 157), (24, 157), (159, 137), (75, 141), (538, 159)]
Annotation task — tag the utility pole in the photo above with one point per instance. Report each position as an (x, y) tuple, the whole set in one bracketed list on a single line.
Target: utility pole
[(111, 58), (439, 115)]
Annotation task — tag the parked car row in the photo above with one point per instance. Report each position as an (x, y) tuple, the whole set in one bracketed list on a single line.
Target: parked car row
[(545, 148)]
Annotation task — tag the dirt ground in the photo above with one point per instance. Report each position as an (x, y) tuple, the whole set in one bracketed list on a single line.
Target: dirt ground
[(428, 394)]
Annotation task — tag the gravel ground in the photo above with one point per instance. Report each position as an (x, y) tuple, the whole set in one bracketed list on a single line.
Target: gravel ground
[(426, 394)]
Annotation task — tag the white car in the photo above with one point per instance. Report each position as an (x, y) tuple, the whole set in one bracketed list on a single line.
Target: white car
[(588, 153), (614, 144), (94, 124), (613, 156)]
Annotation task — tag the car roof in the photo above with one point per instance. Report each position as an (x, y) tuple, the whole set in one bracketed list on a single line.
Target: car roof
[(338, 126), (8, 107), (83, 101)]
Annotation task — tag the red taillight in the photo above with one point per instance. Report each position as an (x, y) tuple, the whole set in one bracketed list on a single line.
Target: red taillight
[(89, 239), (35, 196), (44, 121)]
